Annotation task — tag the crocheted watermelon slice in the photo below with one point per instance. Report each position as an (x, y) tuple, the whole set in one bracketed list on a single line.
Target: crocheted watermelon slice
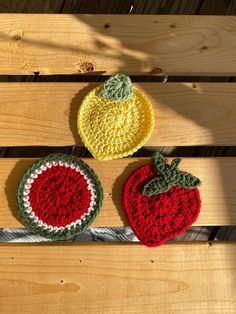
[(59, 196), (161, 201)]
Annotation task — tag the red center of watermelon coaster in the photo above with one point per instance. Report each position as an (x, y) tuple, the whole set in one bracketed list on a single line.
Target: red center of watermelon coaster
[(155, 219), (59, 196)]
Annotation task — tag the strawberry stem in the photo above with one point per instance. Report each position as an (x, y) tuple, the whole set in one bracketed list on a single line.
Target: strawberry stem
[(168, 176)]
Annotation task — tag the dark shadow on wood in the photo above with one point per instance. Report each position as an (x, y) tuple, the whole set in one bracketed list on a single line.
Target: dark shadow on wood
[(118, 186), (12, 185), (74, 107)]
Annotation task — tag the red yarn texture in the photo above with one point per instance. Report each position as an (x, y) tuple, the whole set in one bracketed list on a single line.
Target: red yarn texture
[(155, 219), (59, 196)]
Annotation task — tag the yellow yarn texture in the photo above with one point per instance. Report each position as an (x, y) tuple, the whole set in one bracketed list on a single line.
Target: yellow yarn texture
[(115, 129)]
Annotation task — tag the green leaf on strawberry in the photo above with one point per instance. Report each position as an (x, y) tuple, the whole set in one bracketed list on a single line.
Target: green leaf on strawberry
[(169, 176)]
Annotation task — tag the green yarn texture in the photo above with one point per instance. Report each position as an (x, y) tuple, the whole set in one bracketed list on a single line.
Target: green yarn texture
[(65, 234), (169, 176), (117, 88)]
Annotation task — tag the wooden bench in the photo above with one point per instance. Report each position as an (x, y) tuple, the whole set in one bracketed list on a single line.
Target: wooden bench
[(195, 277)]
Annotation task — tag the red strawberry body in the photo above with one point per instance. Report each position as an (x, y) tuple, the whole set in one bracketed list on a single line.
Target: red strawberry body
[(157, 218)]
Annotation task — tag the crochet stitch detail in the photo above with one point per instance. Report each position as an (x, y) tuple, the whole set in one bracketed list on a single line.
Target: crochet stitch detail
[(59, 196), (117, 87), (169, 176), (158, 217), (115, 129)]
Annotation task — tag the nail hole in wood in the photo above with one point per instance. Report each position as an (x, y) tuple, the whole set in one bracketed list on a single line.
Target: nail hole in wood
[(156, 71), (204, 48), (87, 67), (16, 37)]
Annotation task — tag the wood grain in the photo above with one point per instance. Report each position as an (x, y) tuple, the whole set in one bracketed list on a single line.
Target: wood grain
[(69, 44), (218, 191), (185, 113), (183, 278)]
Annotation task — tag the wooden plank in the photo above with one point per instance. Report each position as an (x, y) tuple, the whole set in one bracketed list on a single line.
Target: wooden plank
[(185, 113), (69, 44), (218, 191), (183, 278)]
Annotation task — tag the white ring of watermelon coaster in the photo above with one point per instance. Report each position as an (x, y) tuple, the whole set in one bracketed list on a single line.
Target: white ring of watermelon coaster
[(59, 196)]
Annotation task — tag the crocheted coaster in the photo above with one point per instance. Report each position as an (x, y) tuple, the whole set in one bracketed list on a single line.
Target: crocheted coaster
[(115, 119), (59, 196), (161, 201)]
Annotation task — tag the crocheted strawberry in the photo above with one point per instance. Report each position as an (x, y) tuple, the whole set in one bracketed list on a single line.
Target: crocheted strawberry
[(59, 196), (161, 201)]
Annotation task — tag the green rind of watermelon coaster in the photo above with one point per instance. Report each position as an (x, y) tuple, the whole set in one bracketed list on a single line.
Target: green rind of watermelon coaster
[(53, 167)]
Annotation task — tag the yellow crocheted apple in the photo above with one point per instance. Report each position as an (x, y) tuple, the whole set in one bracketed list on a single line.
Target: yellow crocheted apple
[(115, 119)]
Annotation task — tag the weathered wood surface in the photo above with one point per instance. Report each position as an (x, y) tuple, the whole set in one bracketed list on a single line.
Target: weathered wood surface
[(185, 113), (69, 44), (218, 191), (183, 278)]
